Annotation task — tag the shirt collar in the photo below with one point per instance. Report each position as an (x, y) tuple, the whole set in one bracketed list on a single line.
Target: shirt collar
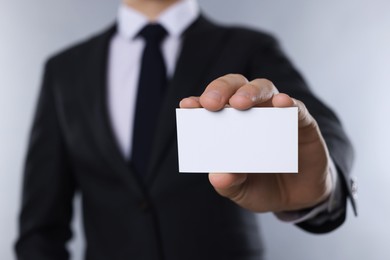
[(174, 19)]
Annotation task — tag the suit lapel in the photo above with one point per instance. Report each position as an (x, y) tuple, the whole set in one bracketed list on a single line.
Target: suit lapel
[(96, 101), (200, 49)]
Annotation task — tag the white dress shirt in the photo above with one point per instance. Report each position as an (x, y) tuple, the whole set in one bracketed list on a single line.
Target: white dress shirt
[(123, 71), (125, 58)]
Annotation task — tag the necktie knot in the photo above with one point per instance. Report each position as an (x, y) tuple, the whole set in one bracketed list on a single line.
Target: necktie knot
[(153, 33)]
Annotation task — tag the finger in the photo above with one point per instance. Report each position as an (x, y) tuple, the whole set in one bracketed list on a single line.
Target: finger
[(308, 127), (258, 92), (219, 91), (190, 102), (228, 184), (283, 100), (304, 117)]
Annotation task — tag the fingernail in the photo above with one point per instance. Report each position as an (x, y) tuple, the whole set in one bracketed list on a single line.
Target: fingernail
[(215, 95)]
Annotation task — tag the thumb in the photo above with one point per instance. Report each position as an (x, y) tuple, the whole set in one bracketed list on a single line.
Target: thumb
[(228, 184)]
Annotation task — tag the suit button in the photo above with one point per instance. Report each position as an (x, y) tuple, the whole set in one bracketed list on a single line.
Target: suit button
[(144, 205)]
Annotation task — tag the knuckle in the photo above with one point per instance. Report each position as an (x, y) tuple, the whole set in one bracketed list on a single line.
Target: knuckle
[(228, 81), (264, 83), (300, 104), (304, 115), (236, 76), (238, 196), (218, 83)]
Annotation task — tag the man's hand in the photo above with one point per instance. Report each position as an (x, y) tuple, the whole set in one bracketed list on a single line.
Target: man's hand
[(269, 192)]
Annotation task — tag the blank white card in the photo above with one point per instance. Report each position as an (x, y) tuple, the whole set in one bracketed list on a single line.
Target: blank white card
[(258, 140)]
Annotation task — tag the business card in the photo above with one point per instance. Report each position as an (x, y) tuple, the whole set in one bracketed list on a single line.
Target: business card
[(258, 140)]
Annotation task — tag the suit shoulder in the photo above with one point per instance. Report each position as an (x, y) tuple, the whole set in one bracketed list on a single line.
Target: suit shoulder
[(246, 35), (240, 35), (74, 55)]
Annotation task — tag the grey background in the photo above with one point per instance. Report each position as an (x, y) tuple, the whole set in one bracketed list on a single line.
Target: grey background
[(342, 48)]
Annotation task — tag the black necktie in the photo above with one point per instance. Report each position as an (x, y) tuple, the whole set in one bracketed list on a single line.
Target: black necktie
[(151, 86)]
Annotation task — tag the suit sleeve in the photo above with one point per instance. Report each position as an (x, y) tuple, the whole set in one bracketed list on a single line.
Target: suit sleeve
[(48, 185), (271, 63)]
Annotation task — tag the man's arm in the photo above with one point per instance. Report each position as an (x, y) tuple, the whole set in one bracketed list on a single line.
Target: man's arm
[(48, 186), (271, 62)]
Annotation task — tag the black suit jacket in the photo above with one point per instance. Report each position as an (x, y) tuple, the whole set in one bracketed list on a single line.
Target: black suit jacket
[(168, 216)]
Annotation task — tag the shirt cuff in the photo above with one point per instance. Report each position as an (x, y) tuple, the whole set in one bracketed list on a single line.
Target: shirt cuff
[(333, 202)]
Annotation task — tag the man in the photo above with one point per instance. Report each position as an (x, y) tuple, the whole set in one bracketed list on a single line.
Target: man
[(86, 129)]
